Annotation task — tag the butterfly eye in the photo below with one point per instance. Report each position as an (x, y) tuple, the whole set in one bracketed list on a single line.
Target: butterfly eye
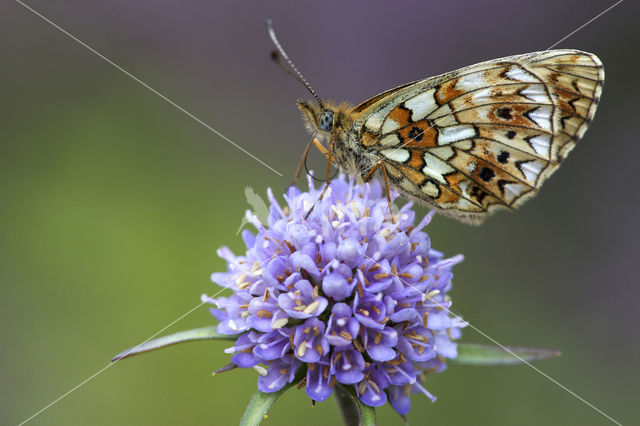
[(326, 121)]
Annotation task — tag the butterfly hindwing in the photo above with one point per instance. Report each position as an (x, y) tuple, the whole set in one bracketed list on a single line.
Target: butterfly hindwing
[(485, 136)]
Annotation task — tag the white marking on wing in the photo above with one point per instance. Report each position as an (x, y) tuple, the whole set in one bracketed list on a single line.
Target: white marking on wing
[(431, 189), (390, 140), (444, 152), (541, 144), (472, 81), (471, 167), (541, 116), (519, 74), (390, 125), (375, 121), (536, 93), (421, 105), (512, 191), (436, 167), (455, 133), (482, 95), (396, 154), (531, 170)]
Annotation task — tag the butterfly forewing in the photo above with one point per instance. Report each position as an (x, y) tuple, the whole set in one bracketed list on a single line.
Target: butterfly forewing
[(485, 136)]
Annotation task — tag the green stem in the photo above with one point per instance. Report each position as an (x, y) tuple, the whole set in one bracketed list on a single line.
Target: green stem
[(354, 412), (348, 407), (261, 402), (259, 406)]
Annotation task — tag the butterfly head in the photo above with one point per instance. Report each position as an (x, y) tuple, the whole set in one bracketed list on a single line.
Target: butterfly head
[(318, 119)]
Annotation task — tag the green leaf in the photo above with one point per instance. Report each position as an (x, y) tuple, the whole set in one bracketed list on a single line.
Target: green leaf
[(479, 354), (261, 402), (204, 333), (354, 411)]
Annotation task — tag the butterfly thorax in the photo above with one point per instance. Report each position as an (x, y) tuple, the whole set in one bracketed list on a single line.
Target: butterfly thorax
[(348, 153)]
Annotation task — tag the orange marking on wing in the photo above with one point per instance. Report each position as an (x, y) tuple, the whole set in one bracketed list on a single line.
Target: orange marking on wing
[(448, 91), (414, 176), (368, 139), (417, 160), (454, 180), (425, 135), (400, 115), (447, 196)]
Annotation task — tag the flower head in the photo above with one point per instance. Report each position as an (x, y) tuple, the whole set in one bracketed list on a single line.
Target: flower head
[(347, 293)]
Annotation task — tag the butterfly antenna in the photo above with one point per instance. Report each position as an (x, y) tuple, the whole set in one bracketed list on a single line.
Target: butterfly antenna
[(293, 71)]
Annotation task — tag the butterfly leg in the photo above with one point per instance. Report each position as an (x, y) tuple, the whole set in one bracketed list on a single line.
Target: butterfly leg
[(300, 164), (305, 153), (328, 181), (381, 165)]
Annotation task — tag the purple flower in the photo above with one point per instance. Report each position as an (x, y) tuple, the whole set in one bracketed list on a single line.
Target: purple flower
[(346, 294)]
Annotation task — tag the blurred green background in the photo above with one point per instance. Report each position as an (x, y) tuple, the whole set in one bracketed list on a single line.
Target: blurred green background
[(113, 203)]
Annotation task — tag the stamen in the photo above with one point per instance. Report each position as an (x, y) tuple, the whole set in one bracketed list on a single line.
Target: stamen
[(279, 323), (424, 391), (302, 349), (312, 307), (259, 369), (358, 345), (244, 285), (291, 247), (432, 293), (345, 335), (263, 314)]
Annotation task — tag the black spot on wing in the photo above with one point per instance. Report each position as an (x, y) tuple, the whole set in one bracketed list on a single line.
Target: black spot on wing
[(486, 174), (503, 157)]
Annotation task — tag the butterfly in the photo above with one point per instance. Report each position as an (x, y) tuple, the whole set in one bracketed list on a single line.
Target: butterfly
[(469, 142)]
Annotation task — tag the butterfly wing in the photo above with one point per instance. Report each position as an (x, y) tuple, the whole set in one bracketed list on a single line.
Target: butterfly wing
[(484, 137)]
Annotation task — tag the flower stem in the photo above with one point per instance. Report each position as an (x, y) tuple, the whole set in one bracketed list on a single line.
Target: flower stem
[(348, 408), (354, 412), (259, 406)]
